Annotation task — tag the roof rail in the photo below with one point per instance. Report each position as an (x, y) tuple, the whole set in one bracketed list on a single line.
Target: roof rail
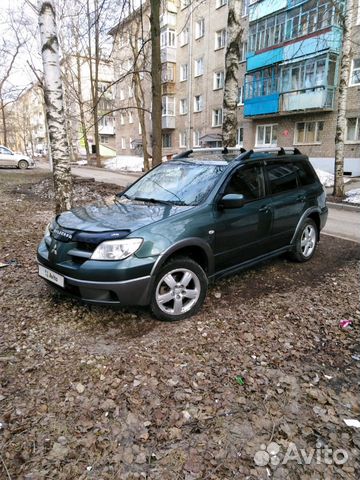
[(280, 150), (182, 154)]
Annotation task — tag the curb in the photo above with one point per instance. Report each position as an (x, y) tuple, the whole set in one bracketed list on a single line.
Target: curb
[(343, 206)]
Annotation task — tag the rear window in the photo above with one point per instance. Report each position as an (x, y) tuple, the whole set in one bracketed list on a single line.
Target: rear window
[(305, 173), (282, 177)]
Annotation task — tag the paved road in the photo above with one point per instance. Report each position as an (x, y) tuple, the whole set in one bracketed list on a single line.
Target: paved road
[(341, 223), (100, 174)]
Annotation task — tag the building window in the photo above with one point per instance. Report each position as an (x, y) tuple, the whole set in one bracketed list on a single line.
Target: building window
[(266, 135), (130, 92), (104, 139), (245, 8), (240, 100), (353, 130), (199, 28), (131, 117), (355, 72), (183, 139), (240, 136), (122, 119), (168, 72), (122, 94), (123, 143), (308, 132), (218, 80), (197, 134), (131, 144), (168, 106), (198, 103), (217, 117), (140, 129), (183, 106), (220, 39), (243, 51), (184, 72), (184, 37), (167, 140), (167, 38), (220, 3), (199, 67)]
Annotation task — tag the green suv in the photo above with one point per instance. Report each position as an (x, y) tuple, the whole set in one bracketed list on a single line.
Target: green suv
[(186, 222)]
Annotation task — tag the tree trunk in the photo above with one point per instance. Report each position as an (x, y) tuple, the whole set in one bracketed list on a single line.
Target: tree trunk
[(340, 131), (81, 107), (139, 98), (3, 117), (156, 112), (55, 116), (232, 60)]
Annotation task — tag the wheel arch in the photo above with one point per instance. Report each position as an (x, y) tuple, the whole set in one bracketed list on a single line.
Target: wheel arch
[(314, 214)]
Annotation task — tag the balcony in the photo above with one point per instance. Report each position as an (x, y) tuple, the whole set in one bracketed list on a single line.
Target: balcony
[(168, 54), (168, 122), (106, 130), (309, 99)]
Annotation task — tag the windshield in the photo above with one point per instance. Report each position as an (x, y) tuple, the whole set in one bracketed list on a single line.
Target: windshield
[(178, 183)]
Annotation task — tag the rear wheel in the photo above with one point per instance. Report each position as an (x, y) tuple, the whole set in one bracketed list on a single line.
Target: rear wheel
[(306, 241), (179, 290), (23, 164)]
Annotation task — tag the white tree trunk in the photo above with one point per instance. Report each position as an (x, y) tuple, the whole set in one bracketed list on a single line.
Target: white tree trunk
[(232, 60), (55, 116), (342, 98)]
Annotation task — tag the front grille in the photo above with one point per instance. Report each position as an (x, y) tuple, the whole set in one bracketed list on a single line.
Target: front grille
[(86, 247)]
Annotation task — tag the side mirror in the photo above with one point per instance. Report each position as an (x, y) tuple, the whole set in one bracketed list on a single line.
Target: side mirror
[(232, 200)]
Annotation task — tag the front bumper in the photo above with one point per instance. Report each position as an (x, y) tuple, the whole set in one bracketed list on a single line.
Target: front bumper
[(128, 292)]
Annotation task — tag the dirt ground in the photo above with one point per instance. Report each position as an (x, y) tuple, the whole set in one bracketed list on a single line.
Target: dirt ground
[(95, 393)]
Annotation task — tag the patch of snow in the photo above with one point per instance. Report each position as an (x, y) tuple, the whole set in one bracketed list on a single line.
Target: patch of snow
[(125, 162), (353, 196), (81, 162), (326, 178)]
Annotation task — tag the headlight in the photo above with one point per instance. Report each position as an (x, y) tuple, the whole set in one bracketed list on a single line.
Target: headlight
[(116, 249), (47, 230)]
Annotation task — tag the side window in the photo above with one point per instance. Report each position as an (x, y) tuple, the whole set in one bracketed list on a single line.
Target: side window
[(282, 177), (305, 173), (248, 181)]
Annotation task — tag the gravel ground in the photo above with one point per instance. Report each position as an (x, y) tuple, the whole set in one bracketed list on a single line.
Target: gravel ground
[(256, 386)]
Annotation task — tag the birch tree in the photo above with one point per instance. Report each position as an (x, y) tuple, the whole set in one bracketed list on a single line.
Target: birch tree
[(232, 60), (55, 116), (156, 112), (347, 18)]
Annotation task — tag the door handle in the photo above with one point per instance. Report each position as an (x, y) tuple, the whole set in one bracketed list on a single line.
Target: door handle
[(265, 209), (300, 198)]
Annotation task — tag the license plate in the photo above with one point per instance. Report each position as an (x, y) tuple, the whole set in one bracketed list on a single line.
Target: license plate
[(51, 276)]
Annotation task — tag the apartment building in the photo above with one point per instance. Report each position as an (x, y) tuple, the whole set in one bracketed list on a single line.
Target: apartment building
[(288, 77)]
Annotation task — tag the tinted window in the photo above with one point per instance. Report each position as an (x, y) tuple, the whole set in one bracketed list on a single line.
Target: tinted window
[(282, 177), (305, 173), (247, 181)]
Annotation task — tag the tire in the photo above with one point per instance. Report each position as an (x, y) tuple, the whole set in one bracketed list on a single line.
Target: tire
[(306, 241), (23, 165), (179, 290)]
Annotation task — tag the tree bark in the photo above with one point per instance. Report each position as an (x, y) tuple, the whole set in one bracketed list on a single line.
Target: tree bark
[(55, 116), (81, 107), (340, 131), (3, 118), (232, 60), (156, 110)]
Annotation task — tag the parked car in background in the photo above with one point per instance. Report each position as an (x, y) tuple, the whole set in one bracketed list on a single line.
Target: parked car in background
[(11, 159), (188, 221)]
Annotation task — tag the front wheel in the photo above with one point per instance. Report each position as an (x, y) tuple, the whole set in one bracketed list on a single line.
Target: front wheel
[(23, 165), (306, 241), (179, 290)]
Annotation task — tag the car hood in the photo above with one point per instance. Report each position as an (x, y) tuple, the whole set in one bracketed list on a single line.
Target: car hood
[(105, 218)]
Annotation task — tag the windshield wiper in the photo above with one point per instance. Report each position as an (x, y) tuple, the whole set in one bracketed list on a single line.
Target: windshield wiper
[(164, 202)]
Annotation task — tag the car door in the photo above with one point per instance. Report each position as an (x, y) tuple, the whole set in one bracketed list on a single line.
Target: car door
[(5, 157), (243, 233), (288, 200)]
